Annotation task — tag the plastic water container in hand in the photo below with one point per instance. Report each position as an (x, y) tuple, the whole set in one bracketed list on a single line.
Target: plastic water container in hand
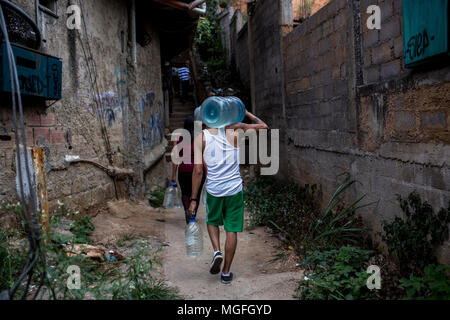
[(194, 238), (170, 196), (218, 112)]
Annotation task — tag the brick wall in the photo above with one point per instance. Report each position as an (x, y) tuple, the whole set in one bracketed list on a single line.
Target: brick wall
[(266, 39)]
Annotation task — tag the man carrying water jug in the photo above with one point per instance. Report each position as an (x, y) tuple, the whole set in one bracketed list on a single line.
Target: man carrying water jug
[(218, 148)]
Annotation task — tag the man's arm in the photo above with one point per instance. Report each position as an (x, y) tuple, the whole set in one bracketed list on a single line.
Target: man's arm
[(257, 123), (197, 175)]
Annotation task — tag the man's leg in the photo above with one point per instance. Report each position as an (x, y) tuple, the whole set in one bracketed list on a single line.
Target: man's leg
[(230, 249), (214, 235), (184, 93)]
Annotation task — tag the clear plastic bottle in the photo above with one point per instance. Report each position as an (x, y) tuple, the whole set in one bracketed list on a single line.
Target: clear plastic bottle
[(217, 112), (194, 238), (170, 196), (178, 202)]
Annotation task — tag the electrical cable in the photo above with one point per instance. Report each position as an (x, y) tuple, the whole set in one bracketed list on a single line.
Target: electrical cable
[(32, 227)]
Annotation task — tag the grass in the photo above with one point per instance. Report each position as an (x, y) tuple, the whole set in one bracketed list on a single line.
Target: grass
[(136, 277), (156, 199)]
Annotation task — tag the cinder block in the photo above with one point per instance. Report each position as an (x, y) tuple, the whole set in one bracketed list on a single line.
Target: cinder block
[(404, 120), (390, 70), (387, 10), (370, 38), (340, 20), (381, 54), (390, 29), (398, 47), (433, 119), (371, 74)]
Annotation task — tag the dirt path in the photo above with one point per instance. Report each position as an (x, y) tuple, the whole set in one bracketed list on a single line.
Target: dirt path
[(256, 277)]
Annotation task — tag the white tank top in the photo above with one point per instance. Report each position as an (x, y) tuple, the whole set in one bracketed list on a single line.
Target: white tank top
[(222, 160)]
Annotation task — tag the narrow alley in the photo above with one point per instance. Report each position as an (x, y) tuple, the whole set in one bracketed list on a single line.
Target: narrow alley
[(225, 150)]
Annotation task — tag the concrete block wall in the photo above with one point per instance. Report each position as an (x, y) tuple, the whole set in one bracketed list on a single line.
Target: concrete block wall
[(70, 126), (352, 107), (242, 57), (266, 38)]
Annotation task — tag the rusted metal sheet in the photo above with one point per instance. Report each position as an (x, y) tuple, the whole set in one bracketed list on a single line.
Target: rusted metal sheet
[(38, 159)]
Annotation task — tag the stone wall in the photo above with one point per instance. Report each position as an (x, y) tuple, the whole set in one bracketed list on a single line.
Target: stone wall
[(351, 106), (71, 126)]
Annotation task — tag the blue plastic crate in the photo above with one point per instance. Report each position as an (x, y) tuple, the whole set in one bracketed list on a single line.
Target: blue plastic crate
[(40, 75)]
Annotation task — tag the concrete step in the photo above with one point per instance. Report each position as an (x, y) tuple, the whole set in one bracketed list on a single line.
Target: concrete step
[(182, 108)]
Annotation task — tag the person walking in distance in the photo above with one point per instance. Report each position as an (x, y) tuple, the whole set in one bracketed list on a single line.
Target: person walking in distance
[(218, 148), (185, 76)]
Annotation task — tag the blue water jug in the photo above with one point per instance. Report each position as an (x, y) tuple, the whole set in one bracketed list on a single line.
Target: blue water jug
[(219, 112)]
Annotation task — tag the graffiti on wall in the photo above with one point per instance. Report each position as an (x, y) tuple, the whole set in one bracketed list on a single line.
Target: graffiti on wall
[(110, 108), (152, 125), (121, 75)]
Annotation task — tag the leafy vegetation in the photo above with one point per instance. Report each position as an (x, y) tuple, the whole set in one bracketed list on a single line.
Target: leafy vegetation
[(157, 197), (135, 277), (333, 243), (294, 211), (336, 274), (208, 42), (433, 285), (412, 241), (81, 227)]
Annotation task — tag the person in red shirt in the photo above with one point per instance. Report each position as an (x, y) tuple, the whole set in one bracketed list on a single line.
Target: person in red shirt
[(185, 171)]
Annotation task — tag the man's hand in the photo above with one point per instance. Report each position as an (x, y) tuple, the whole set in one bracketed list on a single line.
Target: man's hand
[(192, 206)]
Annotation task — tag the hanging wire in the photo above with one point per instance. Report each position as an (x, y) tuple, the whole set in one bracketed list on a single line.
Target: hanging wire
[(92, 71), (32, 227)]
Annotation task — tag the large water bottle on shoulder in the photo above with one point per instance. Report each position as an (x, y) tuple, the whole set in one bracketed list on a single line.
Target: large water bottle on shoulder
[(194, 238), (219, 112), (170, 196)]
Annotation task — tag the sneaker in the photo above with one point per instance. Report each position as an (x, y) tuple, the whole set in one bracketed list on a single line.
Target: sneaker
[(216, 262), (226, 279)]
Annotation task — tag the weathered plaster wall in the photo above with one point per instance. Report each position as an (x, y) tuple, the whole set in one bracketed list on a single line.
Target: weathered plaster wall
[(71, 125)]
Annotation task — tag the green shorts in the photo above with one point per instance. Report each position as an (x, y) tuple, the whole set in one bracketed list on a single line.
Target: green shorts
[(226, 211)]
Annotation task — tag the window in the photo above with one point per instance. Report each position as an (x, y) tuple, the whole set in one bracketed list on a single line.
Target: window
[(49, 7)]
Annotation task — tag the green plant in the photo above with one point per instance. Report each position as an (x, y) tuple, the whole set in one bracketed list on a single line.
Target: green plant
[(138, 283), (412, 240), (81, 228), (294, 211), (208, 41), (434, 285), (338, 224), (335, 274), (157, 197), (11, 259)]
